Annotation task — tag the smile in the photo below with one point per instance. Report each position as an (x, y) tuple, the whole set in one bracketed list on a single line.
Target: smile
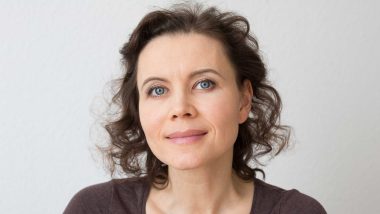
[(186, 139)]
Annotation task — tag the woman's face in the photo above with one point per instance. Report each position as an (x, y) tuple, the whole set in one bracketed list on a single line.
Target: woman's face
[(190, 106)]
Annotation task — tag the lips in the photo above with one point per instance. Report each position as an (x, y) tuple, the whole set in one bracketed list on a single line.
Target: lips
[(187, 133)]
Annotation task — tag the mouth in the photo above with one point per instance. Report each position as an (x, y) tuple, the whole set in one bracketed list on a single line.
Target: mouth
[(187, 137), (187, 133)]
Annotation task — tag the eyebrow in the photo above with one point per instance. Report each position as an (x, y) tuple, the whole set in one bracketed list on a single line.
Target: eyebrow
[(192, 74)]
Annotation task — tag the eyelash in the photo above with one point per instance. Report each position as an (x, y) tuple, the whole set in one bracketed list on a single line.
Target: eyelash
[(152, 88)]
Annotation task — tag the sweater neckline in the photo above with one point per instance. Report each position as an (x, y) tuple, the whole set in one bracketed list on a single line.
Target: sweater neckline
[(255, 192)]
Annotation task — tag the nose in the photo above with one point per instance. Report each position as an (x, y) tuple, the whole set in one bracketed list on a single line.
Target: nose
[(182, 107)]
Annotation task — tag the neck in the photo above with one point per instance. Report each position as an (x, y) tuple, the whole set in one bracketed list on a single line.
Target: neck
[(207, 189)]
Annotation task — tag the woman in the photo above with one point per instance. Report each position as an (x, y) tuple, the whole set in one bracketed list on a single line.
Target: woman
[(196, 113)]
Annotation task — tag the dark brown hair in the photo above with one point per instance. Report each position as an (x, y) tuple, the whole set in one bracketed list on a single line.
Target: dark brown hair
[(259, 135)]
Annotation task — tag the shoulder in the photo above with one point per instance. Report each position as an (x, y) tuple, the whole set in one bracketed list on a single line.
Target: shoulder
[(116, 195), (92, 199), (278, 200), (293, 201)]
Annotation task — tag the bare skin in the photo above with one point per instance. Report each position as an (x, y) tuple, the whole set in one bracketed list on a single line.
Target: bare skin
[(209, 190), (175, 96)]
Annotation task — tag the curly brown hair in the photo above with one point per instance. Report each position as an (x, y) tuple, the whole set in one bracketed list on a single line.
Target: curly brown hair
[(259, 135)]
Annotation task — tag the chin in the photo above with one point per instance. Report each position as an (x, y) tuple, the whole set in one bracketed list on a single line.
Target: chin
[(185, 163)]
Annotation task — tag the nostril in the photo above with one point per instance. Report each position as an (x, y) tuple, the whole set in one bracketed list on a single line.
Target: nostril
[(183, 115)]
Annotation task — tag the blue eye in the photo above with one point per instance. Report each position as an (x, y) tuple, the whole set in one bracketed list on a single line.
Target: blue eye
[(156, 91), (206, 84)]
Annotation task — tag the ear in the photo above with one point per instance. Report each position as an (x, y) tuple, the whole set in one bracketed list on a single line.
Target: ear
[(245, 101)]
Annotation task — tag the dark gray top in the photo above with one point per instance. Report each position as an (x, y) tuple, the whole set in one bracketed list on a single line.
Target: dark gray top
[(129, 195)]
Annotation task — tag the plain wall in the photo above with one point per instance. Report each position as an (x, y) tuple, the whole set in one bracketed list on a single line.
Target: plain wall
[(57, 57)]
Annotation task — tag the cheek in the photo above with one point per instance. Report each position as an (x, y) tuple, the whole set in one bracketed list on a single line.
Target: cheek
[(151, 120), (223, 112), (223, 108)]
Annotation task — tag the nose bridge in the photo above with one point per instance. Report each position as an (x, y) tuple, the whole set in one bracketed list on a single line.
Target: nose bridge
[(182, 104)]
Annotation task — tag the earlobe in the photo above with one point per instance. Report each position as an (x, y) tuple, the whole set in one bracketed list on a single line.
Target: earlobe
[(246, 100)]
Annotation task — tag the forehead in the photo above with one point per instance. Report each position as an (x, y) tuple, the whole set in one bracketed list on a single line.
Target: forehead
[(179, 54)]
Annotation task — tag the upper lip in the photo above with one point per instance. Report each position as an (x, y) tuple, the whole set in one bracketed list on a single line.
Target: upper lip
[(187, 133)]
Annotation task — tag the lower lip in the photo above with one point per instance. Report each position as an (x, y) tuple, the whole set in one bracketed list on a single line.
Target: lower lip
[(186, 140)]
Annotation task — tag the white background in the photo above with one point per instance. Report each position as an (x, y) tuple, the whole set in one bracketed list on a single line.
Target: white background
[(56, 58)]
